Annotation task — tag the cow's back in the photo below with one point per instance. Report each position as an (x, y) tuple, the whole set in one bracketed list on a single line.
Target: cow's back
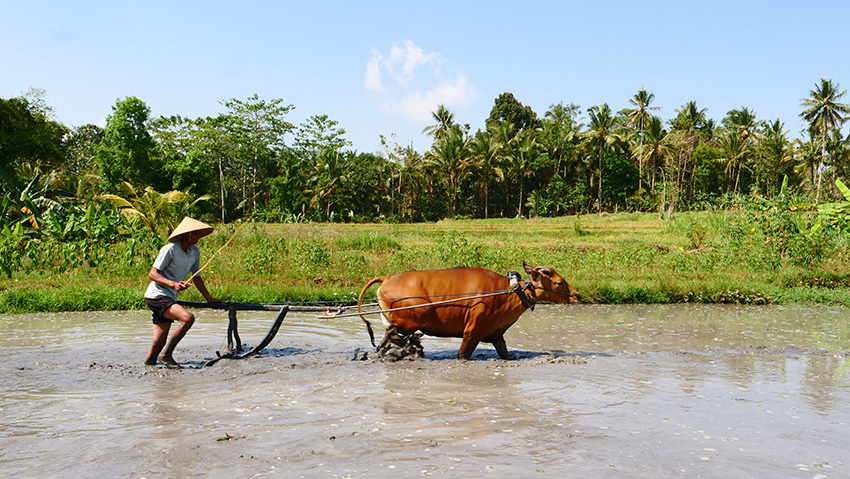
[(460, 281)]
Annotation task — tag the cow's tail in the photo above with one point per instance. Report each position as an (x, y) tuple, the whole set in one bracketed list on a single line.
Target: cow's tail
[(379, 279)]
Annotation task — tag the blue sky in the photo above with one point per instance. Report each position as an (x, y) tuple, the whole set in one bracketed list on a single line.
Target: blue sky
[(380, 68)]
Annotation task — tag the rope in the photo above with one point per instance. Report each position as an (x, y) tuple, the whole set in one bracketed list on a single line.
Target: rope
[(371, 302), (487, 295), (483, 295), (439, 295), (571, 295)]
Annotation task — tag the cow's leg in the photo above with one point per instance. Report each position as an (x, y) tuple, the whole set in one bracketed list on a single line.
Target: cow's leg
[(394, 343), (471, 337), (388, 335), (467, 347), (502, 348)]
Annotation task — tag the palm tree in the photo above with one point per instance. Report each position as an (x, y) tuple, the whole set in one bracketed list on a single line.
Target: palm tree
[(522, 154), (824, 112), (411, 181), (839, 148), (735, 151), (505, 132), (483, 159), (654, 146), (408, 166), (559, 136), (688, 129), (447, 157), (743, 120), (808, 157), (445, 119), (601, 135), (522, 157), (638, 118), (328, 172), (563, 115), (774, 152), (738, 143)]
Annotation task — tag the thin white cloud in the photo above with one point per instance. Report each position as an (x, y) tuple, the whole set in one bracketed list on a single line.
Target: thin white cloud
[(373, 73), (420, 105), (411, 57), (418, 84)]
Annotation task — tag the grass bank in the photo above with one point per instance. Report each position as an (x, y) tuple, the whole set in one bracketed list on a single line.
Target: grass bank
[(706, 257)]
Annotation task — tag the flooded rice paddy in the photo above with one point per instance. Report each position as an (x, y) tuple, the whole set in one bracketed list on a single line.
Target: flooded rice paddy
[(596, 391)]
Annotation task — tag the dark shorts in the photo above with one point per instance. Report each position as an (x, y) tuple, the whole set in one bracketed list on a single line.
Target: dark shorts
[(158, 306)]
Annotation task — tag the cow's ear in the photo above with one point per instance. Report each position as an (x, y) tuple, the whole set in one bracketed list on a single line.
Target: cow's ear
[(532, 271)]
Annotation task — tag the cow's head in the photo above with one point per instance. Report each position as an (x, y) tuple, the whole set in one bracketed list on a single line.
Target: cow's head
[(550, 286)]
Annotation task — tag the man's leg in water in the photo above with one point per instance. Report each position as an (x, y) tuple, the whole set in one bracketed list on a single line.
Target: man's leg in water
[(185, 320), (160, 335)]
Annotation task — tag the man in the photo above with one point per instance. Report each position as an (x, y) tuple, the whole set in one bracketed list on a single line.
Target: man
[(168, 276)]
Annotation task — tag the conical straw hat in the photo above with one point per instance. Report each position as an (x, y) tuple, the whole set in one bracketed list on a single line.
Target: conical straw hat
[(189, 225)]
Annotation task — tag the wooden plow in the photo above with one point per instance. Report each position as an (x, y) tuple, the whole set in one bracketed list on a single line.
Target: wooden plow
[(234, 342)]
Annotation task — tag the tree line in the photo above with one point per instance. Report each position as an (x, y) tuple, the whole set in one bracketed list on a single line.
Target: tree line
[(250, 160)]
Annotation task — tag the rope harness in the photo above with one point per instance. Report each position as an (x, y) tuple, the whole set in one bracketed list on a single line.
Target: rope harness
[(517, 287)]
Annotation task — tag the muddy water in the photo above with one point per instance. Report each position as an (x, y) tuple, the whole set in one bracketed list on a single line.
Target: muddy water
[(597, 391)]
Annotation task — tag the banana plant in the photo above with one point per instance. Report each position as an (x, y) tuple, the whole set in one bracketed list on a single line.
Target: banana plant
[(157, 212), (12, 243), (835, 215)]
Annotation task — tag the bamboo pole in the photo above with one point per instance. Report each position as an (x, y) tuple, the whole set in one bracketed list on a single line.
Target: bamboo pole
[(222, 247)]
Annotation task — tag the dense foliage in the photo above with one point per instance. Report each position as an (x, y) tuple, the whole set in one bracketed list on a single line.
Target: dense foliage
[(251, 160), (69, 191)]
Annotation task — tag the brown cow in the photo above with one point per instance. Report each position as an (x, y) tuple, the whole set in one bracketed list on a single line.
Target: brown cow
[(475, 304)]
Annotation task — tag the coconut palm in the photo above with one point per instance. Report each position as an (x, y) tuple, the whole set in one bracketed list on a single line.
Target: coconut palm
[(601, 135), (447, 157), (743, 120), (523, 154), (654, 146), (483, 160), (561, 114), (404, 178), (412, 181), (445, 119), (327, 173), (736, 153), (774, 153), (638, 118), (689, 128), (824, 112), (560, 136), (738, 142), (839, 148), (808, 156)]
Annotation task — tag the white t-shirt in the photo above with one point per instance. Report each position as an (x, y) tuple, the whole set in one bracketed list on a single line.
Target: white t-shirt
[(175, 264)]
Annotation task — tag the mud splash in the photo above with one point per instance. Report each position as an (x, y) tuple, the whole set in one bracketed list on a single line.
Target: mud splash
[(646, 391)]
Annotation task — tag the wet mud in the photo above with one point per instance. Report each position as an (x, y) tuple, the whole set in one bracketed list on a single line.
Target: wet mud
[(593, 391)]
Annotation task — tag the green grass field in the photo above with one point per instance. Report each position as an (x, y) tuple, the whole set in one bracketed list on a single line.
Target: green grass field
[(705, 257)]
